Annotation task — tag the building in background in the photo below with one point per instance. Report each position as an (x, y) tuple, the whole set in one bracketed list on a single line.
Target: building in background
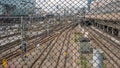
[(17, 7), (100, 3), (2, 10), (104, 6)]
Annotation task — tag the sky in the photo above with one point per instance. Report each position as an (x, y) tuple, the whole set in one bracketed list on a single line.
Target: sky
[(54, 5)]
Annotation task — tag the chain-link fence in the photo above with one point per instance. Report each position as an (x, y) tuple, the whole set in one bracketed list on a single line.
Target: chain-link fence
[(59, 34)]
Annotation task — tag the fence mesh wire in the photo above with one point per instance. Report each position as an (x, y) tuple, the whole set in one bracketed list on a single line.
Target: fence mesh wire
[(59, 34)]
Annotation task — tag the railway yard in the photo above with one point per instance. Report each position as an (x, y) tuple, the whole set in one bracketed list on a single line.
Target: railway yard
[(57, 48), (88, 39)]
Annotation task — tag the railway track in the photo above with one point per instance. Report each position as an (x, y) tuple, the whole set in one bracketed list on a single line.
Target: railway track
[(60, 53), (17, 42), (49, 46), (43, 56), (66, 51), (112, 43), (16, 53), (13, 44), (64, 55), (9, 35), (107, 48)]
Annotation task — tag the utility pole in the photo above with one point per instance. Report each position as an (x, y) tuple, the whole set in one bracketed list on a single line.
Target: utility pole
[(23, 42), (48, 26)]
